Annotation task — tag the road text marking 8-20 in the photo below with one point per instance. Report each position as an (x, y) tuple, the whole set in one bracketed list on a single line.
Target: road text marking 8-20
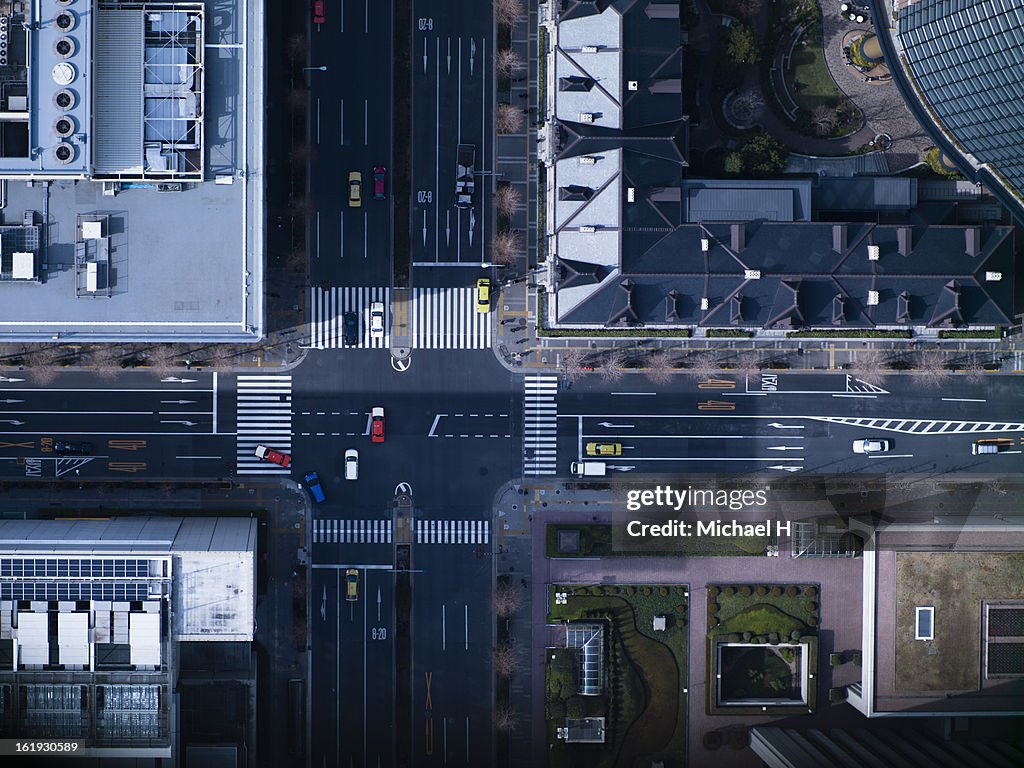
[(425, 24)]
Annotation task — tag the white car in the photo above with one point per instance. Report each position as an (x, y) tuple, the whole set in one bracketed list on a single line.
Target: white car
[(351, 464), (377, 320), (870, 446)]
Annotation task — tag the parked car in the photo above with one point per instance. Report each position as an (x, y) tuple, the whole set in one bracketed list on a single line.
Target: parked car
[(377, 425), (355, 189), (351, 329), (380, 175), (318, 12), (377, 320), (313, 483), (274, 457), (351, 584), (604, 449), (69, 447), (872, 445), (483, 295), (351, 464)]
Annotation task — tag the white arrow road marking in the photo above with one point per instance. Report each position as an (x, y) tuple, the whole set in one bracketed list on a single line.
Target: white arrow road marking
[(785, 426), (622, 467), (4, 378), (785, 448), (785, 468), (186, 423), (609, 425), (180, 402), (176, 380), (323, 605)]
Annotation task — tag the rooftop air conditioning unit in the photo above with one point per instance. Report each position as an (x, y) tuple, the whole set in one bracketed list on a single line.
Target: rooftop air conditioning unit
[(64, 126), (630, 194), (590, 49), (704, 303), (65, 47), (633, 85), (588, 160), (64, 100), (872, 298), (588, 228), (65, 21), (586, 117), (64, 152), (752, 274), (993, 277), (873, 253), (705, 244)]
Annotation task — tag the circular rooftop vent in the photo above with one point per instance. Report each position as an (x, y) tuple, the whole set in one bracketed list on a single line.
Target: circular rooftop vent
[(65, 47), (64, 73), (64, 153), (64, 126), (65, 21), (65, 2), (64, 100)]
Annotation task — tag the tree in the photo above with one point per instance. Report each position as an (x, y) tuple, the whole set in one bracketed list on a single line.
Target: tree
[(869, 364), (747, 363), (764, 155), (46, 362), (297, 100), (931, 369), (298, 46), (507, 198), (164, 358), (508, 119), (506, 600), (505, 659), (507, 62), (824, 119), (659, 368), (505, 247), (505, 720), (572, 364), (733, 163), (300, 206), (704, 365), (302, 154), (106, 359), (508, 12), (611, 367), (742, 46)]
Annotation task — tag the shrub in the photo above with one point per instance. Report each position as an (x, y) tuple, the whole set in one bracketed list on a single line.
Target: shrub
[(630, 590), (681, 609), (609, 591), (747, 636), (791, 591), (795, 635), (745, 591), (712, 609), (681, 591), (713, 591), (810, 591), (812, 621), (712, 622), (596, 591), (663, 591), (777, 591), (773, 638), (856, 658), (729, 591), (811, 606), (761, 591)]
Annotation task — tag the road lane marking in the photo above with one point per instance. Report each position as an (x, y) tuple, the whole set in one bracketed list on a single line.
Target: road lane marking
[(712, 458), (865, 397), (444, 634), (466, 620), (199, 457), (963, 400), (708, 437), (633, 393), (893, 456)]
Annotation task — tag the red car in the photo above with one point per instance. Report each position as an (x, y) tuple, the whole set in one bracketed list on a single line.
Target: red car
[(380, 174), (377, 425), (274, 457), (318, 12)]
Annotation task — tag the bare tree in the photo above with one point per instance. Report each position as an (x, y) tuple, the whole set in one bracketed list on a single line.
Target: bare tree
[(505, 659), (46, 362), (508, 119), (703, 365), (505, 719), (300, 206), (106, 359), (298, 46), (572, 364), (506, 600), (507, 62), (507, 198), (508, 12), (659, 368), (747, 363), (824, 119), (302, 154), (869, 364), (297, 100), (931, 369), (611, 366), (505, 248), (164, 358)]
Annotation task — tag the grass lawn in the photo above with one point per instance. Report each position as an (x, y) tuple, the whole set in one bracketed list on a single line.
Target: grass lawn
[(646, 668), (596, 541), (809, 81)]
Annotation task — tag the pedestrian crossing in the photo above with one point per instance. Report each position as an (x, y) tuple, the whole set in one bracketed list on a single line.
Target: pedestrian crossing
[(326, 310), (379, 531), (263, 416), (540, 424), (924, 426), (439, 318)]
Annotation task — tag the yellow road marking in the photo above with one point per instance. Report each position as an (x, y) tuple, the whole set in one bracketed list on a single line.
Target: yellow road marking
[(716, 405), (30, 444), (717, 384), (126, 445), (126, 466)]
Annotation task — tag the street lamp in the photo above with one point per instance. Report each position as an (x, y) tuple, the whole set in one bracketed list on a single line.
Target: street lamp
[(322, 68)]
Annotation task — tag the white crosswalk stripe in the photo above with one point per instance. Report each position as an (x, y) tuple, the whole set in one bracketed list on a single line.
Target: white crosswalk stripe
[(446, 318), (452, 531), (325, 316), (540, 424), (351, 531), (263, 416), (859, 385)]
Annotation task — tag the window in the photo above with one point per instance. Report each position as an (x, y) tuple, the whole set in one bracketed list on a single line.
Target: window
[(924, 623)]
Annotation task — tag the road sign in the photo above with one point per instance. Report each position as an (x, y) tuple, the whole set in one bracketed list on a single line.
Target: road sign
[(716, 405)]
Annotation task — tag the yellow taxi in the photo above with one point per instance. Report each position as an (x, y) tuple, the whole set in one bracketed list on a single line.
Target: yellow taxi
[(355, 189), (483, 295), (604, 449)]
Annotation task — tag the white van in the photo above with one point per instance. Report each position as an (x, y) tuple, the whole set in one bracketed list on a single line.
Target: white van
[(351, 464), (589, 468)]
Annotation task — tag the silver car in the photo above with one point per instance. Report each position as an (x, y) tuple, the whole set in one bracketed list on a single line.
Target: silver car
[(870, 446), (377, 320), (351, 464)]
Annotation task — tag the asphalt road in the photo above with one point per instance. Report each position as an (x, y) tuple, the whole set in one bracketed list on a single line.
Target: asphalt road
[(452, 66), (350, 130)]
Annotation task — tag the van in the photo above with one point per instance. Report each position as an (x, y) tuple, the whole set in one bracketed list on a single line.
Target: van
[(351, 464), (589, 468), (980, 447)]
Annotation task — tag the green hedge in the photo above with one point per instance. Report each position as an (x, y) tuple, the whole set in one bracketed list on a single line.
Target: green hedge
[(850, 334), (728, 333), (613, 333), (995, 333)]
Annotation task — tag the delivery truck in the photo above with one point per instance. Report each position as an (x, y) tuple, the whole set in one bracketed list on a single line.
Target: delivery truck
[(589, 468)]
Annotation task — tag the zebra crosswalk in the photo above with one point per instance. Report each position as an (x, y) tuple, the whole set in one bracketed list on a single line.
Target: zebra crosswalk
[(326, 310), (263, 416), (923, 426), (540, 424), (439, 318), (379, 531)]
